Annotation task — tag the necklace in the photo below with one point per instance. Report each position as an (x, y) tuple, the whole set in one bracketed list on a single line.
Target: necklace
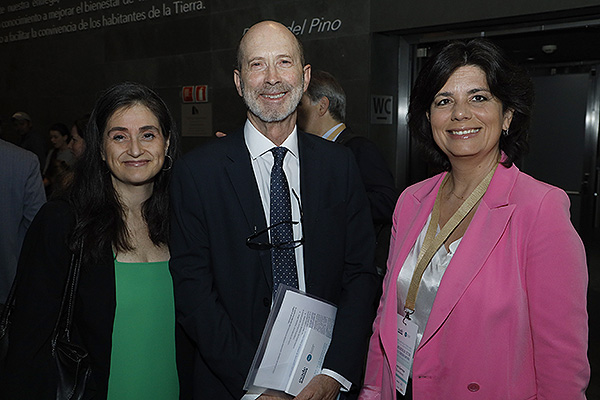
[(457, 196), (452, 191)]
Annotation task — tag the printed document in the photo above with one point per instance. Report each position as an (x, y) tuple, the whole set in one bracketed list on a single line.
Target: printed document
[(294, 342)]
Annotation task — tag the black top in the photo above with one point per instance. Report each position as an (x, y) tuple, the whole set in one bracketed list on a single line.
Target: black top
[(30, 371)]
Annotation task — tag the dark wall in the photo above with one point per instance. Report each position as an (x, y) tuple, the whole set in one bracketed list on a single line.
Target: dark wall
[(54, 68), (389, 15)]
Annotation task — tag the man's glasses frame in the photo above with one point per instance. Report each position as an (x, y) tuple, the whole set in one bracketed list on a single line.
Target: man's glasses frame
[(253, 242)]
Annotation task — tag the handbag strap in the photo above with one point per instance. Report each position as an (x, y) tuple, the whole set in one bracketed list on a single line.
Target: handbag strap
[(65, 314), (8, 306)]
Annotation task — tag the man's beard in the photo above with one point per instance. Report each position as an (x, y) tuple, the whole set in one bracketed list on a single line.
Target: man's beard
[(269, 114)]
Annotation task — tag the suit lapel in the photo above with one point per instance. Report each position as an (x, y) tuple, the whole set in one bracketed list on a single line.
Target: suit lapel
[(311, 189), (484, 231), (240, 172)]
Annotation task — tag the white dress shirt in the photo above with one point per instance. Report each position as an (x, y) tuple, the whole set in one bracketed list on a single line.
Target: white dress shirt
[(262, 162)]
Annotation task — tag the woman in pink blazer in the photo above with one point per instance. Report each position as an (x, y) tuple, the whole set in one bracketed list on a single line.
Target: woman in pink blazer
[(503, 302)]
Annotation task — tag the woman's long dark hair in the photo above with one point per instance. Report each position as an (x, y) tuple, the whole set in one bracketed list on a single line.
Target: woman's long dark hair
[(100, 222)]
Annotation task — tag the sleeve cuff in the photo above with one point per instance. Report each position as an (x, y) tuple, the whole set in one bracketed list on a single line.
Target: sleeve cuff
[(346, 384)]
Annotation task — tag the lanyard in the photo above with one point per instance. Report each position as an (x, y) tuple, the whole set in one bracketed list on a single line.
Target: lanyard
[(433, 242)]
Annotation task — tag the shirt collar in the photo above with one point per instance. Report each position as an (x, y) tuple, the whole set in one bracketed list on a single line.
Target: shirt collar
[(334, 132), (258, 144)]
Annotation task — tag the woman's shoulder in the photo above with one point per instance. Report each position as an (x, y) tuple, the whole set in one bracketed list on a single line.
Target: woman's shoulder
[(57, 212), (530, 189), (535, 199), (56, 207)]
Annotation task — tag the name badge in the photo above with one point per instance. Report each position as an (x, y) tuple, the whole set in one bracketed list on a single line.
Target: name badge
[(405, 350)]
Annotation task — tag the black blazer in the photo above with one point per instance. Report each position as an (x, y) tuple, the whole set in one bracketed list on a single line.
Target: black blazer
[(375, 174), (30, 372), (380, 187), (223, 288)]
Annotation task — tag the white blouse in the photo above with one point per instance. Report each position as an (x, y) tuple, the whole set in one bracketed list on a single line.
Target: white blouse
[(430, 282)]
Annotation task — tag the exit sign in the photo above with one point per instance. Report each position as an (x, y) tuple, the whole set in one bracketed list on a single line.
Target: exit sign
[(194, 94)]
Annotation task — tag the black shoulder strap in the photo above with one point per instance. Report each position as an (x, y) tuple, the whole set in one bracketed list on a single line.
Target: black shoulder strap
[(65, 314)]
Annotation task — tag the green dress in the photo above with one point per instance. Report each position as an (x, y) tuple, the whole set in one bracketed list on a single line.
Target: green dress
[(142, 364)]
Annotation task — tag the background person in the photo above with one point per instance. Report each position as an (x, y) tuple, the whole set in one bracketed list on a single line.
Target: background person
[(29, 139), (77, 144), (59, 159), (118, 208), (322, 112), (22, 196), (501, 307)]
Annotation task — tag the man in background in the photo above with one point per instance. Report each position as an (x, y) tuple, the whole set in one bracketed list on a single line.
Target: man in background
[(29, 139), (322, 112), (22, 196)]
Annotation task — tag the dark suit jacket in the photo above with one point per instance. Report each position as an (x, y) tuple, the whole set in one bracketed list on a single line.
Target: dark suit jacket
[(375, 174), (223, 288), (380, 187), (30, 371)]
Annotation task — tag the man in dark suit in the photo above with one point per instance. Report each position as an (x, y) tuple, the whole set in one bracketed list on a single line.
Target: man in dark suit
[(221, 197), (322, 112)]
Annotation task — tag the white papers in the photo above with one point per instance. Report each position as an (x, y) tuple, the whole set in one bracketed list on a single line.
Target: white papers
[(293, 344), (309, 361)]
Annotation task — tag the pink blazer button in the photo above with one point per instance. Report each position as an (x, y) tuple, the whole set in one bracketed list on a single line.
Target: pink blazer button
[(473, 387)]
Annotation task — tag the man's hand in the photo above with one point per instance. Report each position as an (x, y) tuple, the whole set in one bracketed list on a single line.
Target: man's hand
[(321, 387)]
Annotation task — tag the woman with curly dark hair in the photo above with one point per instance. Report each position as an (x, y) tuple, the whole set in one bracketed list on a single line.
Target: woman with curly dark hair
[(116, 214), (485, 294)]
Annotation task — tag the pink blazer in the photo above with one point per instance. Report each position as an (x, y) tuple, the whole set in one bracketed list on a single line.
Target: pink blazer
[(509, 320)]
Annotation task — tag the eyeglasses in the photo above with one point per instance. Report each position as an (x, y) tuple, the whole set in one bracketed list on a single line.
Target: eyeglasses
[(253, 242)]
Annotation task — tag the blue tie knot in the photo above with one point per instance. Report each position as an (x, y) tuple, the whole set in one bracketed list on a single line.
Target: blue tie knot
[(279, 154)]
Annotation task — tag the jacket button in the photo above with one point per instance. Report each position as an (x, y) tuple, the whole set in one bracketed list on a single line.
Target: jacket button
[(473, 387), (266, 302)]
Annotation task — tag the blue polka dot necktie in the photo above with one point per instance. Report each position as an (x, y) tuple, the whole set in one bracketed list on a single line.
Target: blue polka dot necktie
[(283, 258)]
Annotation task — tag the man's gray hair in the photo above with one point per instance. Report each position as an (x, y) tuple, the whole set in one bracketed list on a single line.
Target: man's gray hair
[(323, 84)]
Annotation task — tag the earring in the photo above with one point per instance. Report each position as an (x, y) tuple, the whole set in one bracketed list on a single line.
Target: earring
[(504, 132), (168, 157)]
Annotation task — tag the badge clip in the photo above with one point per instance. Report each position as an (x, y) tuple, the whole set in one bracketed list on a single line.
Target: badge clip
[(407, 314)]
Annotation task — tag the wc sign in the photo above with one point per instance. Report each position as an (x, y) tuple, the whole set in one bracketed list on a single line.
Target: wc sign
[(381, 109)]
